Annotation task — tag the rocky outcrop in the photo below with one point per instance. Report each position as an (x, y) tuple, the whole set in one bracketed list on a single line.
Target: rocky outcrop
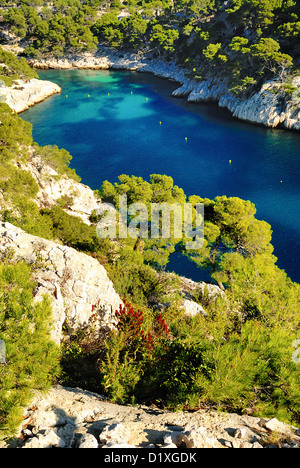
[(270, 106), (77, 284), (192, 290), (73, 418), (80, 200), (25, 93)]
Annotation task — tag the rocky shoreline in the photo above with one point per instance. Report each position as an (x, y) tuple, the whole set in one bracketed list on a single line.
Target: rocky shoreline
[(27, 93), (270, 107)]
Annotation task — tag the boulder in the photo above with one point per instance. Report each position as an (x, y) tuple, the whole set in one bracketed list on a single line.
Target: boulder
[(277, 426), (115, 434), (192, 308)]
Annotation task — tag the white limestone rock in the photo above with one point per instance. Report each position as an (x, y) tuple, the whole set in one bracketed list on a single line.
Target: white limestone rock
[(76, 283), (192, 308), (88, 441), (82, 201), (49, 439), (115, 434)]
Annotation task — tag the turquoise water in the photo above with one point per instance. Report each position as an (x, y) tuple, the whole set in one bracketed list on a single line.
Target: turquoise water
[(128, 123)]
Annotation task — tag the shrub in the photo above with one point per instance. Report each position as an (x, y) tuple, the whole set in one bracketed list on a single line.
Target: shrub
[(32, 359), (129, 350)]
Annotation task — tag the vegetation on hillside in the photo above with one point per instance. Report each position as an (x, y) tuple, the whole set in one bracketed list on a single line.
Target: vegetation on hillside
[(236, 358), (31, 359), (248, 41), (12, 68)]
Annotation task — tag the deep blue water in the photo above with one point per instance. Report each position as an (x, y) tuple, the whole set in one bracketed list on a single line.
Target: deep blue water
[(128, 123)]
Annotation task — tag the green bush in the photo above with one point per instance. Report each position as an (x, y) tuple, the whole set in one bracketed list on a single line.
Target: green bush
[(17, 68), (72, 231), (32, 358), (214, 360)]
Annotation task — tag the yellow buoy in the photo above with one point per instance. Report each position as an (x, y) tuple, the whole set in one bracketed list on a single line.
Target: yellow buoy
[(131, 92), (185, 138), (67, 96), (159, 123), (230, 161), (89, 96), (146, 99), (107, 94)]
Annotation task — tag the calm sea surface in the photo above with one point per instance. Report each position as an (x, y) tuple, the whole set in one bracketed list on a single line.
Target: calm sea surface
[(128, 123)]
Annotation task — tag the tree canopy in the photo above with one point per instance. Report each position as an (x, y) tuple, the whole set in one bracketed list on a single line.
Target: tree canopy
[(248, 41)]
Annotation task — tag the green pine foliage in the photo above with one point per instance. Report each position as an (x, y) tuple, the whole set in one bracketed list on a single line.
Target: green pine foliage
[(238, 357), (247, 41), (31, 357)]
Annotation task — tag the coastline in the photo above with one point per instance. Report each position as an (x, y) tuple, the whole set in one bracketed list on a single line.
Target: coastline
[(269, 107)]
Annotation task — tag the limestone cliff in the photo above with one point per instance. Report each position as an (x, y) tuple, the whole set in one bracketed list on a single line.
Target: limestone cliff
[(25, 93)]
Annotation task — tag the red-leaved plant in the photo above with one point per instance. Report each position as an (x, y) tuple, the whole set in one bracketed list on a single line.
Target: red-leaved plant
[(131, 323)]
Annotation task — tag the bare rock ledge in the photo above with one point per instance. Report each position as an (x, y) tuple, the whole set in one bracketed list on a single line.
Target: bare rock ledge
[(73, 418)]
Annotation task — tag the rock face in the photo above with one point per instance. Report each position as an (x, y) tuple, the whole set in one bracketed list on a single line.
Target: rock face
[(269, 107), (27, 93), (73, 418), (76, 283)]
